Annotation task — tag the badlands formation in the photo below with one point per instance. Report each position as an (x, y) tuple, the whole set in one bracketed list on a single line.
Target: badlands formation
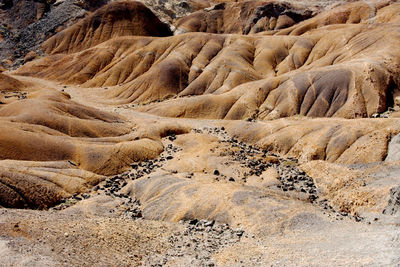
[(199, 133)]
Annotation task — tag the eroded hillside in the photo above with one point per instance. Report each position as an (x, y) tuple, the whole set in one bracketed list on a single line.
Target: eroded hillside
[(249, 133)]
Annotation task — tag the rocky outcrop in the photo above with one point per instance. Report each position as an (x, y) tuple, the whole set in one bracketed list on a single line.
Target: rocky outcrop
[(171, 10), (394, 149), (393, 206), (26, 24)]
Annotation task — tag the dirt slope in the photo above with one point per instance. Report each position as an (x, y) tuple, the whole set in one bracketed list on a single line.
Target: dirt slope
[(263, 133), (350, 72), (113, 20)]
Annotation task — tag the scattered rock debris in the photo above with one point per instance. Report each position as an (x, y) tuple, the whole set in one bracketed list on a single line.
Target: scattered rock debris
[(290, 176), (199, 241), (257, 160)]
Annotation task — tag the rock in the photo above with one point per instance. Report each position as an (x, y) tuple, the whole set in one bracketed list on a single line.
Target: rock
[(393, 206), (193, 222), (393, 153), (31, 22), (272, 159)]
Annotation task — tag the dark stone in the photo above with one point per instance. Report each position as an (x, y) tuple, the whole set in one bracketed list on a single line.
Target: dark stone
[(393, 205), (193, 222)]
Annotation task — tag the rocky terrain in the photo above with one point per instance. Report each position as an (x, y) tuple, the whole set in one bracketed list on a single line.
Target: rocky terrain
[(199, 133)]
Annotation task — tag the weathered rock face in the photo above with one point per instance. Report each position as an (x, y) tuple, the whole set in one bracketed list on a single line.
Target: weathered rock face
[(40, 185), (394, 149), (247, 134), (113, 20), (169, 11), (10, 84), (393, 206), (26, 24), (51, 147), (243, 17), (344, 71), (334, 140)]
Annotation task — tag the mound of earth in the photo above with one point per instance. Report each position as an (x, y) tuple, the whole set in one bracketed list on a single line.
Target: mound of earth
[(243, 17), (267, 134), (46, 126), (350, 72), (112, 20), (10, 84), (333, 140)]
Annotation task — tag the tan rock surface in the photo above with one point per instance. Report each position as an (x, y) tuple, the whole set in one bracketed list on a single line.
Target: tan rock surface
[(244, 17), (113, 20), (340, 70), (231, 148)]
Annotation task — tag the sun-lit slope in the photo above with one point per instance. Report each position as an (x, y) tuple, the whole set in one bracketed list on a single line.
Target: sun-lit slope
[(48, 126), (41, 184), (243, 17), (10, 84), (334, 140), (52, 147), (282, 18), (340, 70), (112, 20), (352, 13)]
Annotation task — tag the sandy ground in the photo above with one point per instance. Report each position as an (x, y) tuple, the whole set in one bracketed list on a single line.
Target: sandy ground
[(282, 229)]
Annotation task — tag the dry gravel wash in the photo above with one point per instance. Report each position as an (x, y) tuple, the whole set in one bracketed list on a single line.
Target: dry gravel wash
[(110, 225), (105, 226), (42, 238)]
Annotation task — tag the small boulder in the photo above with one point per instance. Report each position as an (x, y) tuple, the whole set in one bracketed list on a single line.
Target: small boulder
[(272, 159)]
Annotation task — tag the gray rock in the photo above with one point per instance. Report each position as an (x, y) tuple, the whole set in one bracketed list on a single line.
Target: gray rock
[(394, 149), (393, 206)]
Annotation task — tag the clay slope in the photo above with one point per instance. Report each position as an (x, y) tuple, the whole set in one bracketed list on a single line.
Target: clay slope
[(112, 20), (334, 140), (243, 17), (52, 147), (344, 71), (9, 83), (282, 18)]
